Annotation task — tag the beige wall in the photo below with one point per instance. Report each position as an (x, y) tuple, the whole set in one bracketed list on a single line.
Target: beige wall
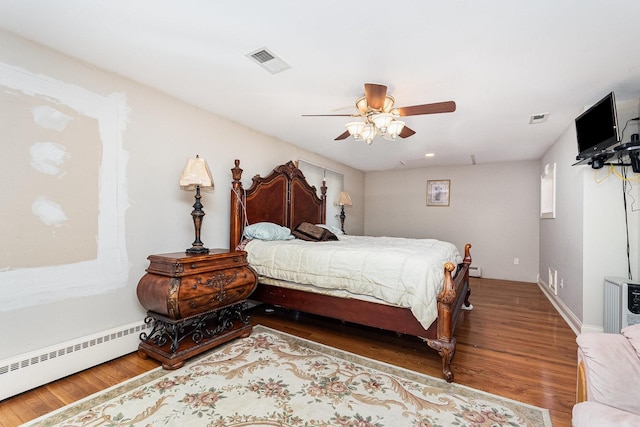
[(495, 207), (159, 134)]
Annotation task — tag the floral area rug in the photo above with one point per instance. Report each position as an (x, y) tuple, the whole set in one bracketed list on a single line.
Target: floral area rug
[(275, 379)]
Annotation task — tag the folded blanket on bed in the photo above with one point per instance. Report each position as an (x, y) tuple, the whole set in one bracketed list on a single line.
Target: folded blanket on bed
[(403, 272), (311, 232)]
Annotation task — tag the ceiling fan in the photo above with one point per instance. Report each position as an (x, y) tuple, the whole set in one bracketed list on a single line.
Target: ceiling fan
[(379, 115)]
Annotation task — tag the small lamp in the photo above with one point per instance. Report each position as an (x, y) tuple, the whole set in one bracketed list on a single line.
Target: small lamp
[(343, 200), (195, 175)]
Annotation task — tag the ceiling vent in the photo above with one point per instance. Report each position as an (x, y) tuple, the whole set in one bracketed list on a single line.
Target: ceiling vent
[(268, 60), (538, 118)]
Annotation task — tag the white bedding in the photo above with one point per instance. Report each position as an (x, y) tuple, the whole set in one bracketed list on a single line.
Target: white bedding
[(404, 272)]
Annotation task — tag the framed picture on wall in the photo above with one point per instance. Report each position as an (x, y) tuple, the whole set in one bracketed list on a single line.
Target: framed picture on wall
[(438, 192)]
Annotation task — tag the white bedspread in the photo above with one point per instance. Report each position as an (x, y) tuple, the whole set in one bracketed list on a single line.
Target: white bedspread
[(404, 272)]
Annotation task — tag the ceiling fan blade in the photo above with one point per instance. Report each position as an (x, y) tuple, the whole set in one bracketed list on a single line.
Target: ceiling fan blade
[(344, 135), (330, 115), (375, 95), (436, 107), (406, 132)]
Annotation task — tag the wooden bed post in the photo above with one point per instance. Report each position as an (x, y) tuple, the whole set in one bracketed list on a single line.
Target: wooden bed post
[(323, 213), (445, 342), (467, 261), (237, 212)]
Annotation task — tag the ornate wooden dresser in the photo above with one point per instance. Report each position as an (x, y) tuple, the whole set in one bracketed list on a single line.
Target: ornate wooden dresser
[(194, 303)]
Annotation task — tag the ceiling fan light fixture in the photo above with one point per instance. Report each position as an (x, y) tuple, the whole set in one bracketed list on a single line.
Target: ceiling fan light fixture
[(394, 129), (368, 133), (355, 129), (388, 103), (379, 115), (361, 105), (382, 121)]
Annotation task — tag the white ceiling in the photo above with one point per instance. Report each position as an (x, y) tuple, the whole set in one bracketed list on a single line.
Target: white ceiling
[(501, 61)]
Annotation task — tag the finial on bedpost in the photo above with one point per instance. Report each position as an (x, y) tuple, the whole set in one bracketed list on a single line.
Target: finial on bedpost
[(236, 172)]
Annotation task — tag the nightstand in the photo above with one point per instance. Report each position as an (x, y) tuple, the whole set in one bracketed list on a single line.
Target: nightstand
[(194, 303)]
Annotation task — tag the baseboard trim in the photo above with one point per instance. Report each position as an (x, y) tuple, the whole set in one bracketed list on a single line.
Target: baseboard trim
[(33, 369), (574, 323)]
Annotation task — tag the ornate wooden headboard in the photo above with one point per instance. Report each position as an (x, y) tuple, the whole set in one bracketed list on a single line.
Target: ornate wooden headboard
[(283, 197)]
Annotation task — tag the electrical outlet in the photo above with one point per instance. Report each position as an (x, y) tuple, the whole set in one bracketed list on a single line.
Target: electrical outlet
[(516, 261)]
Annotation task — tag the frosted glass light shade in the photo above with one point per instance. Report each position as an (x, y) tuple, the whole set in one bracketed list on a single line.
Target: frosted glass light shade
[(394, 129), (361, 105), (382, 121), (368, 133), (355, 129), (388, 103)]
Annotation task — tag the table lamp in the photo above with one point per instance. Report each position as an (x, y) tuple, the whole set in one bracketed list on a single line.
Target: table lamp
[(195, 175), (343, 200)]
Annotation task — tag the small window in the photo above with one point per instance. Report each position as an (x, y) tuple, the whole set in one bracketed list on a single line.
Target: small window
[(548, 192)]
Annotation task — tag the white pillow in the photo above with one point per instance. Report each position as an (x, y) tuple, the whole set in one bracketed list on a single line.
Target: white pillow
[(267, 231), (331, 228)]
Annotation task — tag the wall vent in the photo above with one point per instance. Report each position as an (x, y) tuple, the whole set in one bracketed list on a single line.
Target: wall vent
[(268, 60), (538, 118), (29, 370)]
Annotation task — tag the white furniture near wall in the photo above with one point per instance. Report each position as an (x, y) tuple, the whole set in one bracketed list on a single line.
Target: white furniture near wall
[(621, 304), (608, 379)]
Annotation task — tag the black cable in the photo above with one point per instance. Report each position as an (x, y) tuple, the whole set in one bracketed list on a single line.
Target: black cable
[(635, 119), (626, 219)]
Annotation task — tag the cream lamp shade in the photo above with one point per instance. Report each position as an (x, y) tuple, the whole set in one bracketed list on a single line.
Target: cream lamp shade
[(344, 199), (196, 173)]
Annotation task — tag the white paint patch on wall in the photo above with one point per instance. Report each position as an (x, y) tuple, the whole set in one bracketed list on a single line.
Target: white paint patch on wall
[(49, 212), (27, 287), (50, 118), (47, 157)]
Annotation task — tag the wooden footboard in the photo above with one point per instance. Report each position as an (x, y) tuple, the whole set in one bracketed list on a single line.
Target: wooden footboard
[(439, 336)]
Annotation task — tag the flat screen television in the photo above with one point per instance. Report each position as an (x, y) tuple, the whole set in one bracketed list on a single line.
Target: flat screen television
[(597, 128)]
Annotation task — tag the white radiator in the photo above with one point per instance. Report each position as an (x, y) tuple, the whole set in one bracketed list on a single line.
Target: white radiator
[(621, 304), (29, 370)]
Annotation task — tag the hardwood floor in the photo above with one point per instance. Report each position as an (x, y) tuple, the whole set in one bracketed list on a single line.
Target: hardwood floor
[(513, 344)]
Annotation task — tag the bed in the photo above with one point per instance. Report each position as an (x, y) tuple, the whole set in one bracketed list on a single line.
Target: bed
[(285, 198)]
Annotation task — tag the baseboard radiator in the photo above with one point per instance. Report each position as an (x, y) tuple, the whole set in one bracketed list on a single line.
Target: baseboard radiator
[(29, 370), (475, 271)]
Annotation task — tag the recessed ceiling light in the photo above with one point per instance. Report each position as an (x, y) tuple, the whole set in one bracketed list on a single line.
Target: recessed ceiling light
[(430, 155)]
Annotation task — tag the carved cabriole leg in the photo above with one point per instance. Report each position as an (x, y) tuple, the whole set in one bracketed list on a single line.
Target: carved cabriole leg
[(446, 350)]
